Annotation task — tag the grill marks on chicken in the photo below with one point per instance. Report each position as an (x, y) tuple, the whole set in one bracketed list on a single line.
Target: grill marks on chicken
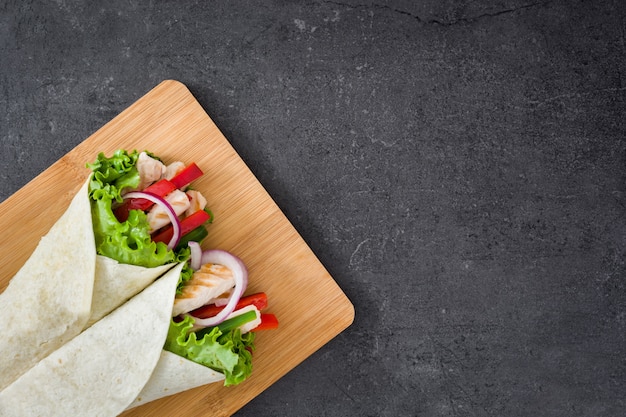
[(206, 284)]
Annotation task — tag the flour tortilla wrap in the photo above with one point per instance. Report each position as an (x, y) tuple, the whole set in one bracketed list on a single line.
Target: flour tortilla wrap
[(115, 283), (116, 364), (172, 375), (62, 288), (102, 370), (48, 301)]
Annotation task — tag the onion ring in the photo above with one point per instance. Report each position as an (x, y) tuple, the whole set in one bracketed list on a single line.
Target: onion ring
[(240, 274), (196, 255), (168, 210)]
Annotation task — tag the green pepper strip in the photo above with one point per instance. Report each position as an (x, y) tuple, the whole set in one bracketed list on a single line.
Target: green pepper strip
[(196, 235), (229, 324)]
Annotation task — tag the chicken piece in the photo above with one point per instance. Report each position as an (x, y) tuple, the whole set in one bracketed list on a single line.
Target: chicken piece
[(157, 216), (207, 283), (197, 202), (172, 169), (150, 170)]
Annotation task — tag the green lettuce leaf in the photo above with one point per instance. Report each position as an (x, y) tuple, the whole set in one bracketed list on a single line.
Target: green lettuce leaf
[(228, 353), (128, 242), (187, 273), (115, 173)]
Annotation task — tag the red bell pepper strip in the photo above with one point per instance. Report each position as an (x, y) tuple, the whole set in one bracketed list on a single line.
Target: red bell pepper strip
[(268, 322), (259, 300), (186, 225), (187, 175), (161, 188)]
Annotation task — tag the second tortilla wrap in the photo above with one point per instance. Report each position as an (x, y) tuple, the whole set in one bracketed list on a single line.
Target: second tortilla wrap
[(117, 363), (101, 371), (174, 374)]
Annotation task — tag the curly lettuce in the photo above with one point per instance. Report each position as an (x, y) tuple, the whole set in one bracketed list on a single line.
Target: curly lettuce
[(187, 273), (229, 353), (127, 242), (114, 174)]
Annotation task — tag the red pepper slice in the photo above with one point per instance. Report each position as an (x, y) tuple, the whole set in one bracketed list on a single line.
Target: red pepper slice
[(161, 188), (186, 225), (268, 322), (187, 175), (259, 300)]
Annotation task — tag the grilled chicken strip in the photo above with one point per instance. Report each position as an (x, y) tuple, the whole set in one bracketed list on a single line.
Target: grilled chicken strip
[(157, 216), (209, 282)]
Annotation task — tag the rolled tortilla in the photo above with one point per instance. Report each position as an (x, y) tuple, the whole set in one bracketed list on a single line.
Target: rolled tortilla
[(115, 283), (101, 371), (172, 375), (48, 301), (63, 288)]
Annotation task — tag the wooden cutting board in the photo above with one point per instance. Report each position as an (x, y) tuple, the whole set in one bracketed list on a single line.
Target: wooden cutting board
[(169, 122)]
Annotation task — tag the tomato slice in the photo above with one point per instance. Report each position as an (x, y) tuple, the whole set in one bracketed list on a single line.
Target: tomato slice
[(259, 300)]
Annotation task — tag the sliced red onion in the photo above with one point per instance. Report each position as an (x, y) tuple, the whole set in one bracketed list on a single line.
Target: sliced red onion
[(240, 274), (195, 260), (168, 210)]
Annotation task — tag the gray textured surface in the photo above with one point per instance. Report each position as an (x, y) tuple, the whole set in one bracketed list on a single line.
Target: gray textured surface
[(459, 167)]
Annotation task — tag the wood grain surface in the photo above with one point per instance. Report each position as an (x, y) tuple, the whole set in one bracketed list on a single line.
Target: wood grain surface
[(169, 122)]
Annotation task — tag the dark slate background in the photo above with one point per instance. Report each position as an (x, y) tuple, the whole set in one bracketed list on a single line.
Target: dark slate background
[(459, 168)]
